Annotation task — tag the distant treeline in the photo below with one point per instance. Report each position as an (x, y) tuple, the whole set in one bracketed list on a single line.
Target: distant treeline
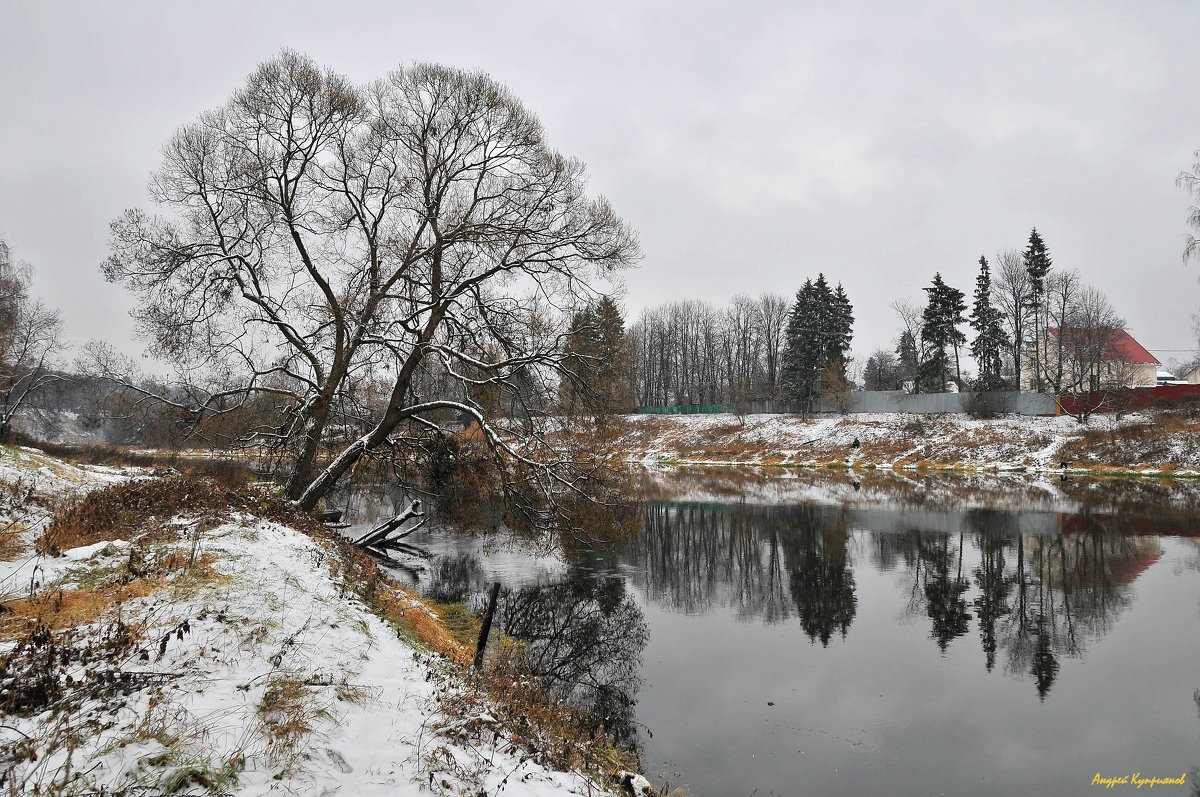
[(756, 348), (1031, 328)]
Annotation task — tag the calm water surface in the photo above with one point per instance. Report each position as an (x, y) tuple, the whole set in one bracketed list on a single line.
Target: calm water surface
[(802, 647)]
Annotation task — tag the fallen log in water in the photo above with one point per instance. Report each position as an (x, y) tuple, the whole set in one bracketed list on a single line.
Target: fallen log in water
[(382, 534)]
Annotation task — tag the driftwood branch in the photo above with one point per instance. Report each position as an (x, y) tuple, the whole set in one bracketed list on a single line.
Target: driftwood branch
[(383, 535)]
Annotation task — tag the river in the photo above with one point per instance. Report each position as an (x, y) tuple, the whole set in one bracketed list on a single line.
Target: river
[(849, 639)]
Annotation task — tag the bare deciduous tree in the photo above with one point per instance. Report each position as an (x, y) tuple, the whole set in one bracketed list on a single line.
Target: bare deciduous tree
[(694, 353), (1190, 181), (772, 318), (30, 338), (881, 371), (1053, 357), (1011, 294), (909, 314), (376, 260), (1081, 352)]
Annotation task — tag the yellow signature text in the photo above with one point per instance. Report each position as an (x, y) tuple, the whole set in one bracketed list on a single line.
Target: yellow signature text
[(1138, 780)]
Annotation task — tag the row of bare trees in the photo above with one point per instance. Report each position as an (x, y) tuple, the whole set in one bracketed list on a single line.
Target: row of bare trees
[(691, 352), (1065, 336)]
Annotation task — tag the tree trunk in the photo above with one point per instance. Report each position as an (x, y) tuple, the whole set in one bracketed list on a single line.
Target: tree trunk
[(395, 413), (306, 457)]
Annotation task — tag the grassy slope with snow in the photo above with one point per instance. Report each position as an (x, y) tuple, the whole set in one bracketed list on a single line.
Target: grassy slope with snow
[(258, 672), (1138, 442)]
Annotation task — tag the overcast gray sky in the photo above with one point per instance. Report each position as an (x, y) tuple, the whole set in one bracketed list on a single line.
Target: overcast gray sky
[(751, 144)]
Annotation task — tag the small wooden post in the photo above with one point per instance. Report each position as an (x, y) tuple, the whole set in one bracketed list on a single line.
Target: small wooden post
[(487, 625)]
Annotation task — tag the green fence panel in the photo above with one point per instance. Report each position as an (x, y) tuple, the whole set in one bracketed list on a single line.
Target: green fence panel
[(684, 409)]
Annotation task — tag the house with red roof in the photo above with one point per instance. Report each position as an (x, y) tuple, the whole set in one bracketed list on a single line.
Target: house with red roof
[(1077, 359)]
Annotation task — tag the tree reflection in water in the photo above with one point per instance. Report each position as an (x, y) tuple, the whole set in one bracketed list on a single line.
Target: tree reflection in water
[(764, 562), (1038, 587), (583, 638), (944, 593), (821, 580), (453, 579)]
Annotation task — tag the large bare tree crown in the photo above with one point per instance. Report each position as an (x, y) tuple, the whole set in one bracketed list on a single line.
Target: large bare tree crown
[(315, 235)]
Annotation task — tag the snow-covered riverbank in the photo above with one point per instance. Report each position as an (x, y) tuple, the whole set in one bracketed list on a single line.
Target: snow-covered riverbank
[(1149, 443), (224, 653)]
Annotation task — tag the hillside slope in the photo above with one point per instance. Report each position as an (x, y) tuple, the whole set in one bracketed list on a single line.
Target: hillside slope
[(214, 651)]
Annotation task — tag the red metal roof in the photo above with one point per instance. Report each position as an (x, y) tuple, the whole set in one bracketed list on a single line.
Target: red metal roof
[(1123, 347)]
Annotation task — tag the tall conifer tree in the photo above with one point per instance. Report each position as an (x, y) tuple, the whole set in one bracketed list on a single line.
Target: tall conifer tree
[(940, 332), (599, 356), (1037, 264), (990, 340), (841, 328), (819, 331), (909, 360)]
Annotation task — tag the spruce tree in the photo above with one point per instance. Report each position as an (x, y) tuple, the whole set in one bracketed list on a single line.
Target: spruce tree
[(909, 360), (802, 351), (990, 339), (817, 340), (841, 329), (613, 376), (940, 332), (1037, 264), (599, 357), (823, 324), (580, 350)]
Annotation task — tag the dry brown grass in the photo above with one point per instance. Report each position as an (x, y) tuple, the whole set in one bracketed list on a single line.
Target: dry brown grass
[(288, 712), (68, 608), (12, 540), (100, 592), (16, 494), (18, 509), (225, 468), (1152, 442), (127, 511), (719, 431), (886, 449), (141, 509), (400, 608), (563, 736)]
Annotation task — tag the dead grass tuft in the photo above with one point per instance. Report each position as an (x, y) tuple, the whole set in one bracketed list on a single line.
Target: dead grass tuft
[(411, 617), (288, 713), (12, 540), (16, 493), (42, 669), (458, 620), (18, 503)]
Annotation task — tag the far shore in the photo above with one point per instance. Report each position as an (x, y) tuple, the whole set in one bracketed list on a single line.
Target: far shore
[(1158, 443)]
